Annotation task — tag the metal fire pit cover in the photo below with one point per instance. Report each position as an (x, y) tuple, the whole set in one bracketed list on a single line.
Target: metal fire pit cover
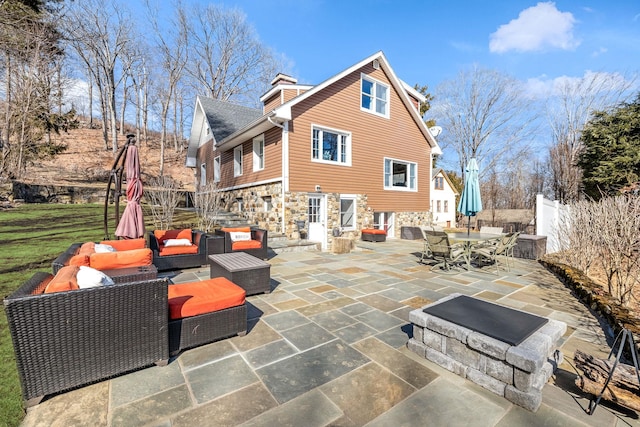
[(502, 323)]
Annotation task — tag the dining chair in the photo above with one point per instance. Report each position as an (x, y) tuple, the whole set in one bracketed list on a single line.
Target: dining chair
[(490, 253), (511, 243), (441, 250)]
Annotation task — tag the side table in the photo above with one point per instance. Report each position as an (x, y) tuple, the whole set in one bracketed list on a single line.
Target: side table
[(250, 273)]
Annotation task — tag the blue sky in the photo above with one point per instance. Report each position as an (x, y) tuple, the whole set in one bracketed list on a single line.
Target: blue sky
[(428, 42)]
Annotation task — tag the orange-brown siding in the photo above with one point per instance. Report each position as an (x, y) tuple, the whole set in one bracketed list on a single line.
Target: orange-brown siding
[(272, 161), (372, 139)]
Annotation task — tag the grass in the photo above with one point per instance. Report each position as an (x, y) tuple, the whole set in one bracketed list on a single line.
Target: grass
[(31, 237)]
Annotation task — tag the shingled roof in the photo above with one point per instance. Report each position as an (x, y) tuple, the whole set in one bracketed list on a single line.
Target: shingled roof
[(225, 118)]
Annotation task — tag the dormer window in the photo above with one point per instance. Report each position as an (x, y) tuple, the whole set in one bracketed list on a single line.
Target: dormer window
[(375, 96)]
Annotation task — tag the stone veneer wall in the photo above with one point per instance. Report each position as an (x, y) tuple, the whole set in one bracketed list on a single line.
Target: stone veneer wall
[(253, 209), (413, 219), (295, 208)]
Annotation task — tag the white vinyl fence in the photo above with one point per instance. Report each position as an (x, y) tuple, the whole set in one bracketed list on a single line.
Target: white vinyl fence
[(549, 214)]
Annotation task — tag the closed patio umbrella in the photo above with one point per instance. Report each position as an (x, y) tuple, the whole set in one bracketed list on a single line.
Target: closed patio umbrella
[(470, 200), (131, 225)]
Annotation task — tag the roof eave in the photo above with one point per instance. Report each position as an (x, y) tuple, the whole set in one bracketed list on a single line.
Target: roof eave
[(262, 124)]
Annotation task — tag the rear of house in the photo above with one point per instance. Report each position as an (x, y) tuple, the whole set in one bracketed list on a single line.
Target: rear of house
[(347, 154)]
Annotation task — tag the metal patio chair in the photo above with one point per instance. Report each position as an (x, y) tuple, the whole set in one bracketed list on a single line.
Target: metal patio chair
[(439, 247)]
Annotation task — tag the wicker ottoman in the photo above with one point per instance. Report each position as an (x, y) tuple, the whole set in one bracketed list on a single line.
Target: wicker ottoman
[(373, 235), (205, 311), (250, 273)]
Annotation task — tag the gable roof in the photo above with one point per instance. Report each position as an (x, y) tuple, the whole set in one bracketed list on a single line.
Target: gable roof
[(438, 171), (225, 118), (282, 113)]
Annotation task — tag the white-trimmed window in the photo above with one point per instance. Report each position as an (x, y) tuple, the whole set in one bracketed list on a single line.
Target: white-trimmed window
[(439, 183), (203, 174), (347, 212), (237, 161), (258, 153), (216, 169), (330, 146), (400, 175), (374, 97)]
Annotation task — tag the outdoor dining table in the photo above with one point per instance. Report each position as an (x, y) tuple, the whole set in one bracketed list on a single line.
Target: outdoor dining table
[(469, 239)]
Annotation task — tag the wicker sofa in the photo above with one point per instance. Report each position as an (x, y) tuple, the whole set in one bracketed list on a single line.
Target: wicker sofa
[(258, 244), (179, 261), (68, 339), (140, 255)]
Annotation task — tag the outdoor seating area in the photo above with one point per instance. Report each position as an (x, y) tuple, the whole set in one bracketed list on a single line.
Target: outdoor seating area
[(340, 333), (104, 311), (451, 250)]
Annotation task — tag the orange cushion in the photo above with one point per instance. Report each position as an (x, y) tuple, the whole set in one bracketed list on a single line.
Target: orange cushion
[(87, 248), (163, 235), (246, 244), (373, 231), (64, 280), (178, 250), (123, 259), (79, 260), (126, 244), (191, 299), (236, 229)]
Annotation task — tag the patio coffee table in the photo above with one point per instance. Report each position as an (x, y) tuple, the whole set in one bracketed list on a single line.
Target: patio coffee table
[(250, 273)]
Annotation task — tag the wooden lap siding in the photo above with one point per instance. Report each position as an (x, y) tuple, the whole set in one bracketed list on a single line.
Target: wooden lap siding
[(372, 139)]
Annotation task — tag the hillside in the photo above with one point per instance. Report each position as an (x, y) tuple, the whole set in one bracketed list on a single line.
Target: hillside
[(86, 161)]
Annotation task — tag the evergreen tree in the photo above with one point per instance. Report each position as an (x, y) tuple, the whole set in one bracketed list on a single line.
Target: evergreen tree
[(610, 159)]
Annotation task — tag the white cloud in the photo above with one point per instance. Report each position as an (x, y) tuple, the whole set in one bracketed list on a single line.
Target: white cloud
[(597, 81), (537, 28), (599, 52)]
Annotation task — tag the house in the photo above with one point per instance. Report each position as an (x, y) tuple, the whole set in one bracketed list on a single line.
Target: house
[(443, 199), (349, 153)]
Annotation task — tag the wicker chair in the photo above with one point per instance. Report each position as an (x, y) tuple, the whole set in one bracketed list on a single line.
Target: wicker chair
[(176, 262), (256, 234), (68, 339)]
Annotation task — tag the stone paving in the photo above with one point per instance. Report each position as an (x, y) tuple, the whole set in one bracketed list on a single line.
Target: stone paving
[(328, 348)]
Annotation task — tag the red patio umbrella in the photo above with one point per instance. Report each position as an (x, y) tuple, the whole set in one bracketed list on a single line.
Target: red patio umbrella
[(131, 225)]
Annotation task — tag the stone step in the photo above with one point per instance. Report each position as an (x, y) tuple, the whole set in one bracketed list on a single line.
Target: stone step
[(281, 246)]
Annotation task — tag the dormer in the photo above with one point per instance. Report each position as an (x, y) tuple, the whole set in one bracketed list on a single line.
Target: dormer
[(283, 89)]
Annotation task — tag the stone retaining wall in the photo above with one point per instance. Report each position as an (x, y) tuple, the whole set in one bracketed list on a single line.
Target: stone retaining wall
[(517, 373)]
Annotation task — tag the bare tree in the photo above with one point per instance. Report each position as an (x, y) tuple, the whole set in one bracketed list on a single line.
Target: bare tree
[(162, 199), (227, 58), (172, 57), (207, 203), (567, 113), (100, 33), (483, 115)]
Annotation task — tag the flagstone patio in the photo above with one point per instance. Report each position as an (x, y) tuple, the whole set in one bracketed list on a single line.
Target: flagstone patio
[(327, 347)]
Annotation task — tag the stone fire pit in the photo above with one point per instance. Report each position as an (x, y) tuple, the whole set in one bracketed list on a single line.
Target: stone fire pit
[(516, 372)]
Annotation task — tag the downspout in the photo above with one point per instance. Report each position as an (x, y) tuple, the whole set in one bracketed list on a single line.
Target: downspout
[(285, 165)]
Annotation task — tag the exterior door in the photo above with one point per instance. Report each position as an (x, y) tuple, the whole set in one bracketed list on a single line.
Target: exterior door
[(317, 214)]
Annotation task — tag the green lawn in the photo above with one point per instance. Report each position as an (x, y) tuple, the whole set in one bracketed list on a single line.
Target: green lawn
[(31, 237)]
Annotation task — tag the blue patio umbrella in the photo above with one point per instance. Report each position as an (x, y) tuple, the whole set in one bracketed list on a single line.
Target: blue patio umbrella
[(470, 200)]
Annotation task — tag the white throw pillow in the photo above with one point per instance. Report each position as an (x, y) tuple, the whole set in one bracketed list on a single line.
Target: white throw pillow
[(240, 236), (88, 277), (102, 248), (177, 242)]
